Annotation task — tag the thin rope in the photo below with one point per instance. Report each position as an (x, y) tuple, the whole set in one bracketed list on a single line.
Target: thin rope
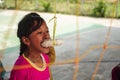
[(81, 57), (104, 45), (93, 61), (76, 60), (55, 22)]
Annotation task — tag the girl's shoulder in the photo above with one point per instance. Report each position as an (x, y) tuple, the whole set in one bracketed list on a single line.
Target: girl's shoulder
[(20, 65), (20, 61)]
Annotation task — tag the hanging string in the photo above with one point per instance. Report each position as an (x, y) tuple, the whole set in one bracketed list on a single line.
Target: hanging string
[(55, 22), (72, 61), (76, 59), (105, 45)]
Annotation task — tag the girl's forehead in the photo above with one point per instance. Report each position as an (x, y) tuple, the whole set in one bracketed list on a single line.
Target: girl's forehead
[(43, 26)]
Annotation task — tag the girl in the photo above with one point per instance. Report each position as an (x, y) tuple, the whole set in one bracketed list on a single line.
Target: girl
[(34, 59)]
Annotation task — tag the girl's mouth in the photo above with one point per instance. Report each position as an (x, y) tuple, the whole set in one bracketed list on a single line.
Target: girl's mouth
[(50, 43), (45, 44)]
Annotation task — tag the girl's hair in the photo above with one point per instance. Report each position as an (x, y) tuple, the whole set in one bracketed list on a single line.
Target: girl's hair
[(26, 26)]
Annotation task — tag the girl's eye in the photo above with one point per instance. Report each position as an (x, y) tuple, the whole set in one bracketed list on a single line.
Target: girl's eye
[(48, 31), (39, 32)]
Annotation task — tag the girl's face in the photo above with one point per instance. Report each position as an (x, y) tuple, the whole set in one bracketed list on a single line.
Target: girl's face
[(37, 37)]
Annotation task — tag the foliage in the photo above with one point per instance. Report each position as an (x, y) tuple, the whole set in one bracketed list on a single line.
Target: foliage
[(2, 5), (100, 9), (87, 7), (73, 1), (47, 6)]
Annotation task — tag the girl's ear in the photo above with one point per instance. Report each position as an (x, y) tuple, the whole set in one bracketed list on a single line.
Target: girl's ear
[(26, 40)]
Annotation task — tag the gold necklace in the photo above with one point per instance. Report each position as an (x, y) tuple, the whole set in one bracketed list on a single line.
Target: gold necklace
[(40, 65), (34, 60), (41, 68)]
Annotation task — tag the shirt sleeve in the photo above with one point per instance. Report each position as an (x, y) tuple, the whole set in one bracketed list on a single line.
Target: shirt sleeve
[(116, 73)]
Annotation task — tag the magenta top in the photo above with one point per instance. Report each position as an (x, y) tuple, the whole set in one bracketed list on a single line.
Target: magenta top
[(24, 69)]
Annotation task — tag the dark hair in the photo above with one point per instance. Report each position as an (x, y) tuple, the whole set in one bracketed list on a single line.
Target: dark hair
[(26, 26)]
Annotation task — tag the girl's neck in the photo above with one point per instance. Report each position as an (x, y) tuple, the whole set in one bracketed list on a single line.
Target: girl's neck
[(32, 55), (36, 59)]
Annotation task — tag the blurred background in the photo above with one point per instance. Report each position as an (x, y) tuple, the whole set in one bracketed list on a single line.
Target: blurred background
[(96, 8), (89, 28)]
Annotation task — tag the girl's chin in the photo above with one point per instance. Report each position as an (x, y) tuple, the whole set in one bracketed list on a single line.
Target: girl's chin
[(45, 50)]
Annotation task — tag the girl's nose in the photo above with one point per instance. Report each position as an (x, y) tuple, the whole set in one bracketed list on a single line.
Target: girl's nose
[(46, 36)]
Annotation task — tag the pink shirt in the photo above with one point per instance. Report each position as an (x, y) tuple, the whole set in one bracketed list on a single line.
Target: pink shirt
[(24, 69)]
